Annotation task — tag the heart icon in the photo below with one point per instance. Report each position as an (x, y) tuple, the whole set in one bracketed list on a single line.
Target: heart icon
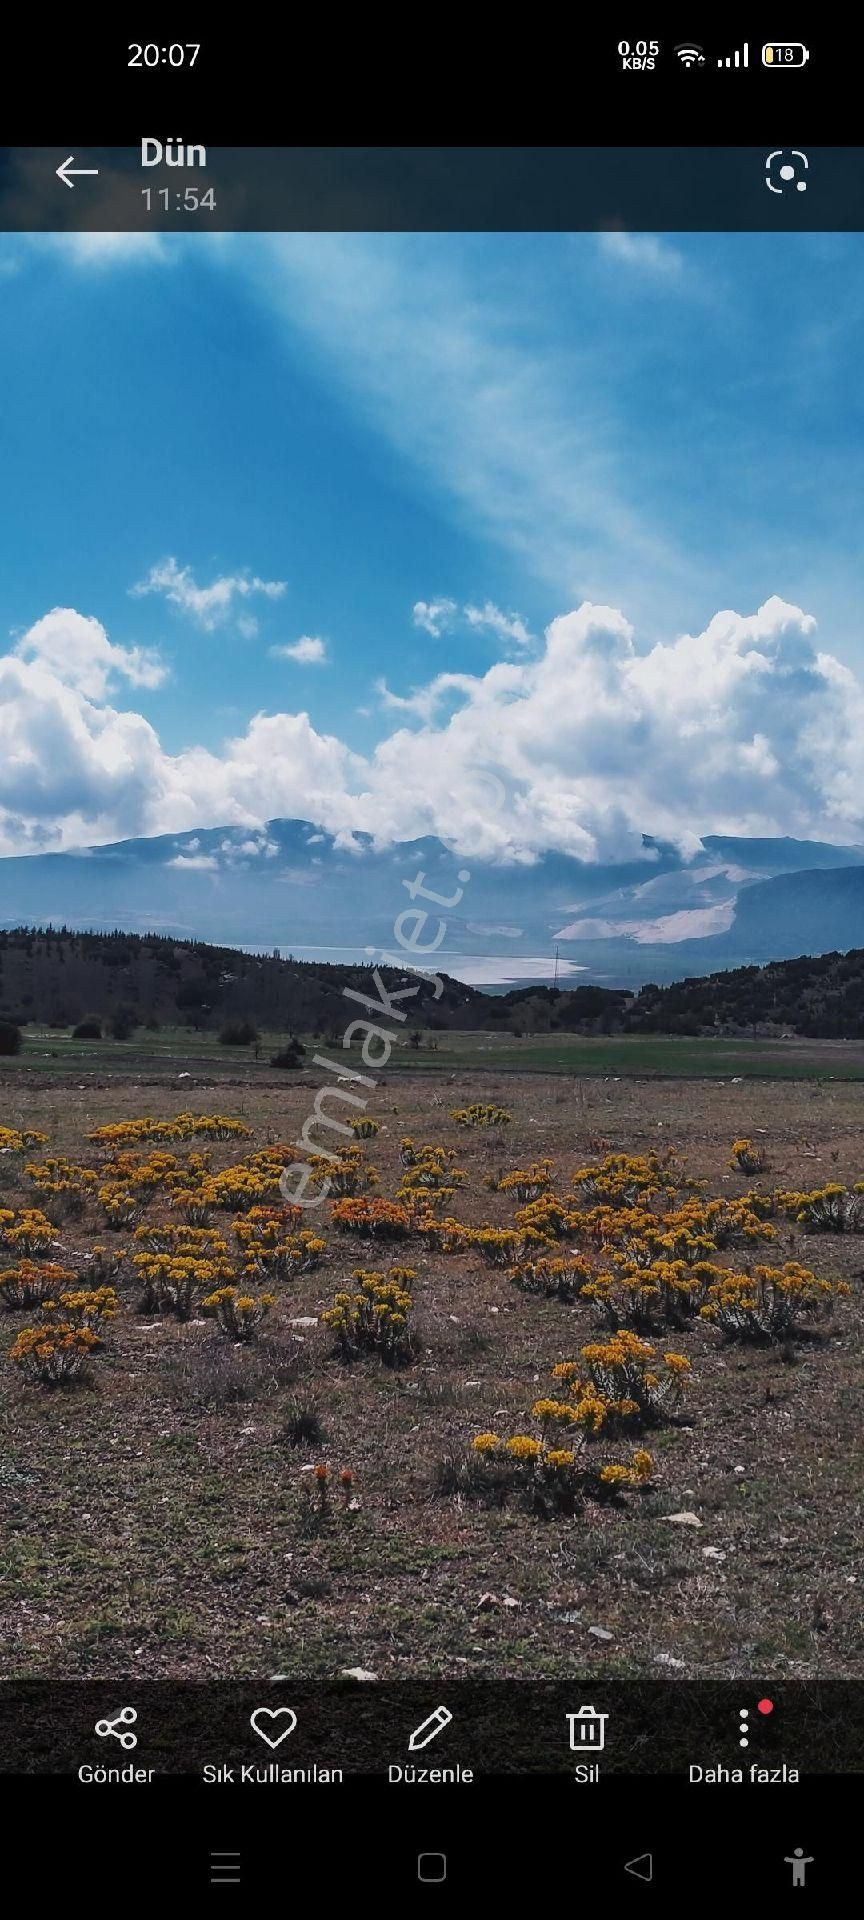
[(273, 1714)]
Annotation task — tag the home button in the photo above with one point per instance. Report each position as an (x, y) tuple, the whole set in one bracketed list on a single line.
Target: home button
[(432, 1868)]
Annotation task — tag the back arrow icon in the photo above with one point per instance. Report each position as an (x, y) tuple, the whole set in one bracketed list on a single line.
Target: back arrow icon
[(642, 1867), (67, 168)]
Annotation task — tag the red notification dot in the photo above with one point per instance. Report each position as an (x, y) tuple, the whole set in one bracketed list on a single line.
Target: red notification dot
[(765, 1706)]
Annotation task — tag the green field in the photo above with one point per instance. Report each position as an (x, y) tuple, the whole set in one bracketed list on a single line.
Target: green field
[(170, 1051)]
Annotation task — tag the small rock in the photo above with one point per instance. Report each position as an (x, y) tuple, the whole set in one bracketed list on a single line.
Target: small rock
[(356, 1673), (601, 1633), (305, 1320), (511, 1601), (669, 1660), (487, 1602), (683, 1519), (713, 1553)]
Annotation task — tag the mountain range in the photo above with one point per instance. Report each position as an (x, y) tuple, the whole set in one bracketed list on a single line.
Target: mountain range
[(289, 886)]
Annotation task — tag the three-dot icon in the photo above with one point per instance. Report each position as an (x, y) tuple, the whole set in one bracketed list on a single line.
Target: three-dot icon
[(764, 1706)]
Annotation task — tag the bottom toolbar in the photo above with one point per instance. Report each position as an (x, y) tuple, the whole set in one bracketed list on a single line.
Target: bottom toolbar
[(283, 1731)]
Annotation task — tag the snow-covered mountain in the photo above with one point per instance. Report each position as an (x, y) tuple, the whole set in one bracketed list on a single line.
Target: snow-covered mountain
[(291, 886)]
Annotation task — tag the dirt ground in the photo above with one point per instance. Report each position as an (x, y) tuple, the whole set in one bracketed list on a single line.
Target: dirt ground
[(153, 1514)]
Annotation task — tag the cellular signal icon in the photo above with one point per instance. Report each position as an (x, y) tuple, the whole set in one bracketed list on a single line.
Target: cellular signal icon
[(690, 56), (740, 58)]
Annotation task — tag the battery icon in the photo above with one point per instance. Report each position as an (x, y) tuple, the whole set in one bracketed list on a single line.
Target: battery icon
[(785, 53)]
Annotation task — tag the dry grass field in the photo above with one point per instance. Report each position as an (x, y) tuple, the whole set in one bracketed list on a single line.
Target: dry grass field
[(161, 1511)]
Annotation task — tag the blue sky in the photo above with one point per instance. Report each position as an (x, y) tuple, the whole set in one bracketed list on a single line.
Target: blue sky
[(348, 431)]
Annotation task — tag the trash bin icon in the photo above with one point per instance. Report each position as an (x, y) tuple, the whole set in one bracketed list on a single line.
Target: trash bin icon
[(587, 1729)]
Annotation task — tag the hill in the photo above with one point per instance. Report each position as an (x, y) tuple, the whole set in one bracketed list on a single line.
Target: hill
[(818, 997), (55, 978)]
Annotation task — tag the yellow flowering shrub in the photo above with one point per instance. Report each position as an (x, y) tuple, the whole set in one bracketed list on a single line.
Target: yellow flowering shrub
[(547, 1478), (67, 1186), (544, 1219), (747, 1157), (432, 1175), (188, 1241), (184, 1126), (623, 1179), (480, 1115), (380, 1219), (344, 1176), (828, 1209), (86, 1307), (498, 1246), (667, 1292), (52, 1354), (525, 1183), (238, 1314), (557, 1278), (29, 1285), (27, 1231), (771, 1303), (15, 1140), (376, 1316), (121, 1206), (622, 1379), (272, 1247), (172, 1282), (443, 1236)]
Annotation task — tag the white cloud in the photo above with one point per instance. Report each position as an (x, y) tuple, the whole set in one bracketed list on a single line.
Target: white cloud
[(425, 701), (747, 727), (77, 649), (210, 606), (506, 626), (646, 252), (195, 862), (434, 615), (105, 249), (309, 651)]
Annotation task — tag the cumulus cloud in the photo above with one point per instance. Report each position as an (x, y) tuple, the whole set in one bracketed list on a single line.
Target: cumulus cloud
[(78, 650), (309, 651), (749, 727), (211, 606)]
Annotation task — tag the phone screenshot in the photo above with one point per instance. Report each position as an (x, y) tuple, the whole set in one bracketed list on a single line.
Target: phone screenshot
[(432, 969)]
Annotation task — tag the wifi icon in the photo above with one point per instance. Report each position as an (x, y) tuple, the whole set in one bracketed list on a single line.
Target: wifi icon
[(690, 56)]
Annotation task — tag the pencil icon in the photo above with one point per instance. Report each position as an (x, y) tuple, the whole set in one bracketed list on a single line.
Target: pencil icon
[(429, 1729)]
